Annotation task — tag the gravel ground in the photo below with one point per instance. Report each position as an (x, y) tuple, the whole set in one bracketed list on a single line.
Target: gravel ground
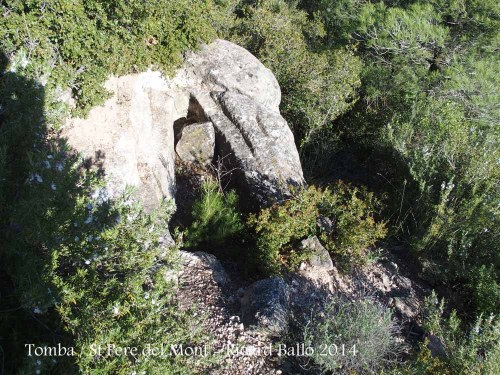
[(244, 350)]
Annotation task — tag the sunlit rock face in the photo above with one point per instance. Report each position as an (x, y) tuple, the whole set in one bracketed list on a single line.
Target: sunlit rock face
[(131, 137)]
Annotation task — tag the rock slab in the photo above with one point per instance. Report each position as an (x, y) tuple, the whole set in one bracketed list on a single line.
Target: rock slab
[(319, 265), (242, 101), (130, 137)]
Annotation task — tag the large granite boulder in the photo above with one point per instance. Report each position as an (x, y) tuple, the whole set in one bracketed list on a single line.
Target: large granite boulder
[(131, 137), (241, 98), (225, 66)]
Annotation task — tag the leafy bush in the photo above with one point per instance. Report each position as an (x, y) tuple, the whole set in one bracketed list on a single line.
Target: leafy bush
[(101, 268), (451, 146), (45, 41), (119, 293), (429, 95), (77, 267), (215, 216), (485, 289), (317, 85), (350, 210), (362, 330), (475, 351)]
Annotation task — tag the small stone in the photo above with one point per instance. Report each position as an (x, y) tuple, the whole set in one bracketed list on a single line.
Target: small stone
[(385, 280), (436, 346), (393, 267), (197, 144), (266, 304), (325, 224), (320, 258), (403, 282)]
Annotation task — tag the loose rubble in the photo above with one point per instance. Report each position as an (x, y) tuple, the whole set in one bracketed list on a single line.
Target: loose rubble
[(245, 350)]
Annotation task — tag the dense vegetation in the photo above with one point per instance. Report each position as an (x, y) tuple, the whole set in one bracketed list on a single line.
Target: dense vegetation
[(349, 229), (462, 349), (406, 90), (77, 44), (216, 217), (430, 96)]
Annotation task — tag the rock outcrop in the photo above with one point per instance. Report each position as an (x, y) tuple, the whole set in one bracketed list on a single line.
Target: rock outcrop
[(241, 98), (131, 137), (319, 265)]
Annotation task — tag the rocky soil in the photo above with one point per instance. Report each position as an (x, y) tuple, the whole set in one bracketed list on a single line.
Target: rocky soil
[(205, 283), (227, 305)]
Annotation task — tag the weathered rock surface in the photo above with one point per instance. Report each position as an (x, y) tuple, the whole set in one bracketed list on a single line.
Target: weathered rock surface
[(241, 97), (383, 280), (266, 305), (325, 224), (131, 136), (319, 266), (320, 258), (258, 143), (224, 66), (197, 144)]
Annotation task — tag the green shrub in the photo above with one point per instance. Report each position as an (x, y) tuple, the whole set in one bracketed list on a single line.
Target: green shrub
[(363, 331), (485, 289), (450, 143), (282, 226), (119, 293), (317, 85), (99, 268), (471, 351), (78, 44), (429, 96), (81, 268), (215, 217), (352, 210)]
